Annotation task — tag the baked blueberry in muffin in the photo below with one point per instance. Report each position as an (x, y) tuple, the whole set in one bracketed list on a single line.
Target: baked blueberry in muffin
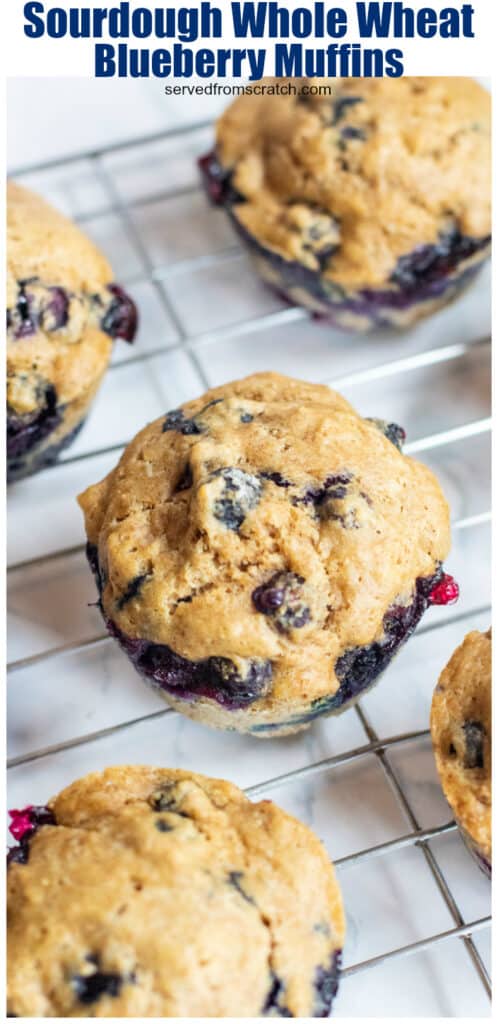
[(370, 206), (263, 566), (461, 734), (63, 312), (157, 893)]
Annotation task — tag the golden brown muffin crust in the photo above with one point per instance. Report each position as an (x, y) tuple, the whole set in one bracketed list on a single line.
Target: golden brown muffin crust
[(416, 163), (175, 883), (154, 518)]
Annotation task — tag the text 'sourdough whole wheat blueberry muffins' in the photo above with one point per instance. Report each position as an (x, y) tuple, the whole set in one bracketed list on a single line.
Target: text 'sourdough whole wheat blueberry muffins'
[(262, 552), (371, 205), (461, 735), (156, 893), (63, 312)]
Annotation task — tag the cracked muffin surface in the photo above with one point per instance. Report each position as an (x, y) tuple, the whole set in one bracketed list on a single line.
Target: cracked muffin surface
[(461, 726), (262, 552), (63, 312), (171, 894), (372, 204)]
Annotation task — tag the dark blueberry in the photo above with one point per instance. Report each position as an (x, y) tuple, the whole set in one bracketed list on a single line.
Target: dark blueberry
[(326, 985), (55, 312), (176, 420), (360, 666), (350, 132), (24, 465), (392, 431), (165, 799), (26, 430), (273, 1006), (343, 104), (217, 180), (133, 588), (235, 880), (429, 263), (120, 319), (216, 678), (186, 480), (241, 493), (281, 598), (334, 488), (474, 733), (18, 854), (92, 555), (246, 417), (90, 987), (163, 826), (22, 318), (276, 478)]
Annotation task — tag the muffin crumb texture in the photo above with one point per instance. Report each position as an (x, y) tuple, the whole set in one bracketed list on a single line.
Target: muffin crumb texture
[(157, 893), (461, 728), (262, 552)]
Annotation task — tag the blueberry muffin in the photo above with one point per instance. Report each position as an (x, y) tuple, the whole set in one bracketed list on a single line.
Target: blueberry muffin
[(461, 735), (63, 312), (263, 551), (370, 206), (170, 895)]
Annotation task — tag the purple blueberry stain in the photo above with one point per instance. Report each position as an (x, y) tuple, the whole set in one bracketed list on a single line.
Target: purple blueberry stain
[(246, 417), (217, 180), (25, 430), (428, 263), (281, 599), (120, 318), (326, 985), (217, 678), (241, 492), (474, 734)]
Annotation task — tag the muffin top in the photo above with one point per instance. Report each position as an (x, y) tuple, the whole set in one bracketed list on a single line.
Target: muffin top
[(267, 523), (349, 183), (461, 735), (61, 313), (162, 893)]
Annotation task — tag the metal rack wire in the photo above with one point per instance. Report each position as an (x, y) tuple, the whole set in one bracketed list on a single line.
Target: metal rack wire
[(381, 747)]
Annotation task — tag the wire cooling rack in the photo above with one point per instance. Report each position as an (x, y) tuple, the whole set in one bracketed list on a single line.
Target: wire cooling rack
[(417, 905)]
